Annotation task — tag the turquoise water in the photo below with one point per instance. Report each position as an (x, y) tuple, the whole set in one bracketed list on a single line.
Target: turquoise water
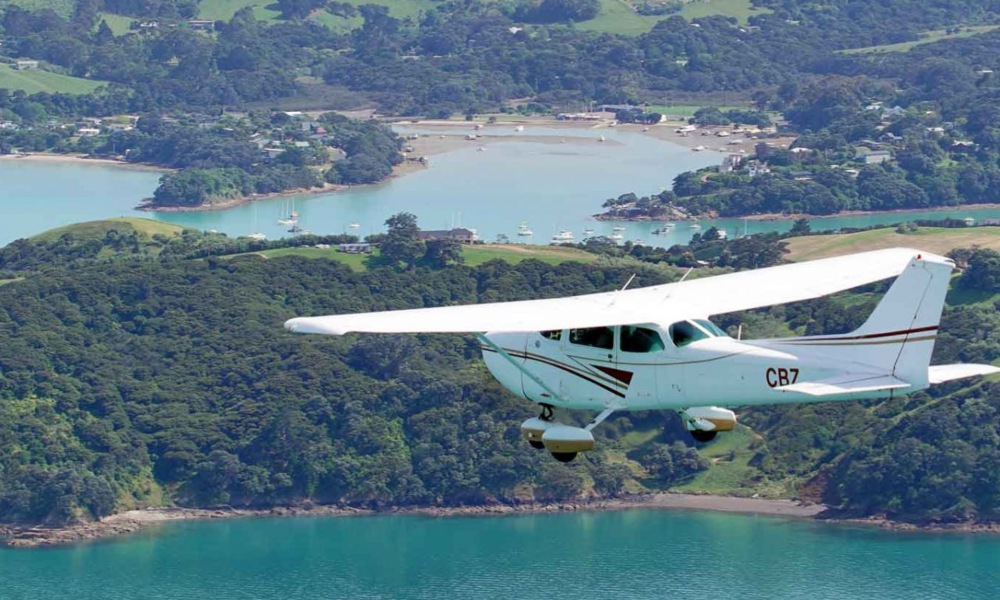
[(551, 186), (632, 554)]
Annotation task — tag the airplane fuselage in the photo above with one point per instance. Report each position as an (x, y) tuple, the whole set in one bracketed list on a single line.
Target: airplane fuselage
[(716, 370)]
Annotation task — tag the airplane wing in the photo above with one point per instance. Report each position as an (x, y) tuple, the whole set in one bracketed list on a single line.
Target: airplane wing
[(680, 300)]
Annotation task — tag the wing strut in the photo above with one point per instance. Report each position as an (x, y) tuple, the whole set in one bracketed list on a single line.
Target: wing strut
[(487, 341)]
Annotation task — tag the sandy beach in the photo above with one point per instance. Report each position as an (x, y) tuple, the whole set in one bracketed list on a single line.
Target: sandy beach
[(82, 159), (136, 520)]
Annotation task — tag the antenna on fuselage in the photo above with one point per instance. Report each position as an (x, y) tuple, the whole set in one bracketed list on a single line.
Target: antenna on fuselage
[(739, 332)]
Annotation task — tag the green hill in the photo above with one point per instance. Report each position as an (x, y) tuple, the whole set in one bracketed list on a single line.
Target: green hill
[(34, 81), (939, 240), (146, 228)]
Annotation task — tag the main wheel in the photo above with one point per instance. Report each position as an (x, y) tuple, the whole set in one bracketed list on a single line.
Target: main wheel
[(703, 436), (564, 457), (536, 444)]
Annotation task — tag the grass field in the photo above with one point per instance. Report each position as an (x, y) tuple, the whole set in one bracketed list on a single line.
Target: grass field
[(64, 8), (223, 10), (474, 255), (119, 24), (617, 16), (933, 239), (730, 456), (43, 81), (925, 38), (98, 229)]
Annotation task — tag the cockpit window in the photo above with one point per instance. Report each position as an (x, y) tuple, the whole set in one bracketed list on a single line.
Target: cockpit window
[(598, 337), (640, 339), (711, 328), (683, 333), (555, 334)]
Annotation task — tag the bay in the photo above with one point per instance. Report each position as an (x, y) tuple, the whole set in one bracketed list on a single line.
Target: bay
[(636, 554), (550, 186)]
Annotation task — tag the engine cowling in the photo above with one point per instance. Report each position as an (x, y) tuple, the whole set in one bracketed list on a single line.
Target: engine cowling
[(708, 418)]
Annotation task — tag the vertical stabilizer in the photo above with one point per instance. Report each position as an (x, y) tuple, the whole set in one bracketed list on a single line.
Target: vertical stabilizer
[(899, 335)]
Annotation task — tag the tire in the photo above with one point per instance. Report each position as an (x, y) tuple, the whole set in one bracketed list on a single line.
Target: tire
[(564, 457), (703, 436), (536, 444)]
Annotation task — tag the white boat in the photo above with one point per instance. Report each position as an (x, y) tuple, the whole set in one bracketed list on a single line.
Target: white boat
[(292, 218), (257, 237), (519, 128), (524, 231), (695, 226), (618, 228), (723, 234), (616, 237), (698, 148), (639, 242), (564, 236), (354, 226), (600, 139), (588, 231)]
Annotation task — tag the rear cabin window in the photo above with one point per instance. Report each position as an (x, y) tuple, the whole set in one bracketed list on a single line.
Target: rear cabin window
[(640, 339), (555, 334), (597, 337)]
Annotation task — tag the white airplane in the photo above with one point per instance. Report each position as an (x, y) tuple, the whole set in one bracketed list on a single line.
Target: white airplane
[(655, 348)]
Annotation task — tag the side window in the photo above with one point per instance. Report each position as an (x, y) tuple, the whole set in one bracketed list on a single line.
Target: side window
[(555, 334), (683, 333), (640, 339), (598, 337)]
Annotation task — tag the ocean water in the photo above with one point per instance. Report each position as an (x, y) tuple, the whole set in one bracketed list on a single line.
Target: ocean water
[(549, 186), (635, 554)]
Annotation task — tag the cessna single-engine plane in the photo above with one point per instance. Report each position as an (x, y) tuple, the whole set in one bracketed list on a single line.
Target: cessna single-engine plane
[(655, 347)]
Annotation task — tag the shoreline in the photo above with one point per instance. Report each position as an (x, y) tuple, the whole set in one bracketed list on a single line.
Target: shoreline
[(133, 521), (797, 216), (81, 159), (862, 213)]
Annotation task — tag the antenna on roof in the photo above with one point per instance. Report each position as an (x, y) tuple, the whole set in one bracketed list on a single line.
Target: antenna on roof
[(627, 283)]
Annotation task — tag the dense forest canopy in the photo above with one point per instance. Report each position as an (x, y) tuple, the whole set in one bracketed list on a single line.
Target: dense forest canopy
[(132, 375)]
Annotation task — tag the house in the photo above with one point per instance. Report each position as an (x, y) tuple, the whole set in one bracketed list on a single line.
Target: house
[(461, 234), (272, 153), (88, 132), (876, 157), (355, 248), (25, 65), (201, 25)]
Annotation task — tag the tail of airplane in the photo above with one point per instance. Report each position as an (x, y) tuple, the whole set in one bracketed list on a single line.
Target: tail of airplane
[(892, 349), (898, 337)]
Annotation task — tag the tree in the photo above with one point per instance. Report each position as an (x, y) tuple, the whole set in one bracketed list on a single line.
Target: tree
[(402, 243)]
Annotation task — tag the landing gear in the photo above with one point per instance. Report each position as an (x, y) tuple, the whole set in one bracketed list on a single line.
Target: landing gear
[(703, 436), (564, 457), (563, 441)]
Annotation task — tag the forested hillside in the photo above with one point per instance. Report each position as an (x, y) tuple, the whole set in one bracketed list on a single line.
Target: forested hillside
[(142, 378)]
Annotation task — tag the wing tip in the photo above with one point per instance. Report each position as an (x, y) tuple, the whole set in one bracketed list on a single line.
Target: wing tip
[(312, 325)]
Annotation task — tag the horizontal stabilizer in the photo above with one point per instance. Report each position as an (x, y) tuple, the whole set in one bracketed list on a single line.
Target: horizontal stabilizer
[(942, 373), (847, 384)]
